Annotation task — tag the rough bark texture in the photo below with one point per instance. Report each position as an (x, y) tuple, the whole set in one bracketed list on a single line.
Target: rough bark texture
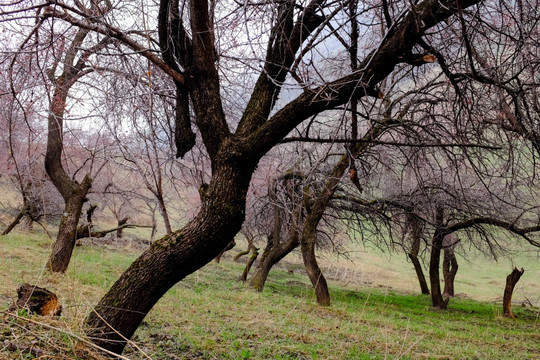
[(450, 268), (235, 156), (170, 259), (511, 281)]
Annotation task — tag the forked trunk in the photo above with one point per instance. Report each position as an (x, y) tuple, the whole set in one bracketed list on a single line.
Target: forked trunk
[(271, 256), (171, 258)]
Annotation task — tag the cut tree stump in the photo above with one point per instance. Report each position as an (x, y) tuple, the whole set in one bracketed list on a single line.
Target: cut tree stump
[(38, 300), (511, 281)]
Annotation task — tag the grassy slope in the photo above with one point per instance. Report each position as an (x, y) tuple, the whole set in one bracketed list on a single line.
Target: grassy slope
[(210, 315)]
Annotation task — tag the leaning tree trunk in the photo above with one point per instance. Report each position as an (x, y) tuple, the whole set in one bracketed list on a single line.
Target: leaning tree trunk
[(15, 221), (249, 263), (450, 268), (511, 281), (272, 254), (171, 258), (25, 209), (312, 268)]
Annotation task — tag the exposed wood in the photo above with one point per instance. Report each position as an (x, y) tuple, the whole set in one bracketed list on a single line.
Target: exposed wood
[(38, 300), (511, 281)]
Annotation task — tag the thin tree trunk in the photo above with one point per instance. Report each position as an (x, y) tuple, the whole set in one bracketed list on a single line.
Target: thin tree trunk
[(227, 248), (120, 231), (15, 221), (312, 268), (450, 268), (511, 281), (164, 215), (434, 263), (416, 231), (413, 255), (249, 263), (242, 253)]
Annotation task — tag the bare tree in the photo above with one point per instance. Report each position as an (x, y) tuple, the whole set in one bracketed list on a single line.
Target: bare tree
[(189, 57)]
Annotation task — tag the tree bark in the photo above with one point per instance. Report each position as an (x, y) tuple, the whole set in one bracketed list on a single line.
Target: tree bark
[(249, 263), (272, 254), (120, 231), (511, 281), (171, 258), (450, 268), (413, 255), (312, 268), (434, 263), (67, 231)]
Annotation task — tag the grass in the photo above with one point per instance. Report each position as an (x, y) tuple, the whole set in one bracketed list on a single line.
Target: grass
[(210, 315)]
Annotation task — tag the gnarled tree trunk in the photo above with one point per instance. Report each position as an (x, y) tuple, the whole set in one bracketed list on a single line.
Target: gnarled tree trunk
[(171, 258)]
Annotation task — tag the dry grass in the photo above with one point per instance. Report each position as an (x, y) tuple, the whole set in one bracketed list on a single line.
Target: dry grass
[(210, 315)]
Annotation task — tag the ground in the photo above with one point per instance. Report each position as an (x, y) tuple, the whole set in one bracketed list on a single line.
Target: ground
[(376, 311)]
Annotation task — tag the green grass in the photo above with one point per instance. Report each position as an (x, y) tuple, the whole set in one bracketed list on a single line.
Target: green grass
[(210, 315)]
